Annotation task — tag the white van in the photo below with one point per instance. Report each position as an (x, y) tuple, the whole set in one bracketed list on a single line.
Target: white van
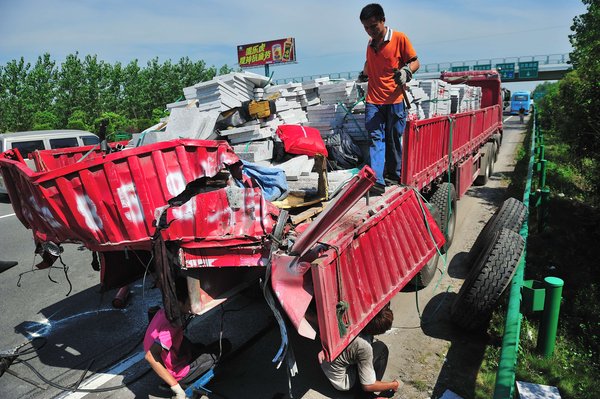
[(27, 142)]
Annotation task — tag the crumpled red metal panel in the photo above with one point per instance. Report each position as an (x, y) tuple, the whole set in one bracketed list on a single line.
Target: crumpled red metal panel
[(110, 202), (373, 253)]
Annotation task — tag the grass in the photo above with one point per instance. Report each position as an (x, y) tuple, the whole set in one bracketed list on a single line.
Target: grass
[(419, 385), (565, 249)]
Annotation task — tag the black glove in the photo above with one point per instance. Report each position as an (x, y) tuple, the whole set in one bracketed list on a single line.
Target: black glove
[(402, 76), (362, 77)]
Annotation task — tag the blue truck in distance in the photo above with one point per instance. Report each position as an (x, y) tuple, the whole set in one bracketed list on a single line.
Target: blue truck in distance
[(520, 99)]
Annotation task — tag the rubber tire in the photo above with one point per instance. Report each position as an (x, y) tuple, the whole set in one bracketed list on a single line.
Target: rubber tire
[(495, 152), (493, 149), (447, 212), (485, 284), (485, 170), (427, 273), (510, 215), (498, 139)]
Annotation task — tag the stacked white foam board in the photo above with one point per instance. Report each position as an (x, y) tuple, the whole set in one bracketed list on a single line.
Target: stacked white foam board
[(255, 151), (477, 97), (259, 93), (225, 91), (251, 131), (182, 104), (291, 92), (439, 97), (191, 123), (289, 105), (312, 90), (295, 116), (298, 166), (354, 125), (469, 97), (326, 118), (339, 92), (321, 103), (455, 99), (416, 97)]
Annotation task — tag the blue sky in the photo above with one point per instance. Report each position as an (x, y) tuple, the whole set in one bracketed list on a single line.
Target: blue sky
[(329, 36)]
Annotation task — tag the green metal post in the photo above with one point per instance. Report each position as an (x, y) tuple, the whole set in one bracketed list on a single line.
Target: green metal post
[(549, 323), (541, 152), (543, 209), (542, 173), (266, 69)]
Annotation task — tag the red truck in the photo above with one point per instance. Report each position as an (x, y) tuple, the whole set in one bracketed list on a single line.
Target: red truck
[(344, 263)]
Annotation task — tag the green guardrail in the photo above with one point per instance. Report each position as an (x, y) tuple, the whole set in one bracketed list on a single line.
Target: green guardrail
[(529, 296)]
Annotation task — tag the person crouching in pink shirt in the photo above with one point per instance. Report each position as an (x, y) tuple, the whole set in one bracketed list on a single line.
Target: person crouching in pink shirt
[(176, 360)]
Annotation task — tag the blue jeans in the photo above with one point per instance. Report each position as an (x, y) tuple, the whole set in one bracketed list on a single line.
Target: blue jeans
[(385, 124)]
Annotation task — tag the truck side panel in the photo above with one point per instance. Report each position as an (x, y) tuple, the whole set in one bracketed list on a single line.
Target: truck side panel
[(426, 143), (370, 259)]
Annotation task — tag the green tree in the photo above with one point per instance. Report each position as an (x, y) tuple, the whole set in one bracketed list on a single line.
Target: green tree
[(190, 73), (79, 91), (545, 96), (79, 120), (41, 86), (116, 123), (224, 70), (573, 109), (71, 93), (133, 95), (15, 115), (92, 70), (44, 120), (111, 93)]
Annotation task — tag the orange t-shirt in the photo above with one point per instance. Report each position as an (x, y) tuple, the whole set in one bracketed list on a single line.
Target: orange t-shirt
[(394, 53)]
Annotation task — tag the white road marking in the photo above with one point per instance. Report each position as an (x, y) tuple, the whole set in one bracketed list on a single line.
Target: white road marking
[(102, 378), (507, 118), (5, 216)]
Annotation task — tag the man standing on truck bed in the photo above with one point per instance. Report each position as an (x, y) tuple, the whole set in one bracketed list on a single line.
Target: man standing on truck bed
[(391, 61)]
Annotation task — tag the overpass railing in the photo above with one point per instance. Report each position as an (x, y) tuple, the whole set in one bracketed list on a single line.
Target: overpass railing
[(550, 59)]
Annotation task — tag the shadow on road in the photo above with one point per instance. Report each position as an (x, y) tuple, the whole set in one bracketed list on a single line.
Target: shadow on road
[(84, 332), (256, 376), (464, 357)]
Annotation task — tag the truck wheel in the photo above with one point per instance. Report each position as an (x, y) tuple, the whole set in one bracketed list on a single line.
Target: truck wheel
[(493, 155), (427, 273), (510, 215), (485, 171), (498, 139), (444, 198), (495, 148), (486, 283)]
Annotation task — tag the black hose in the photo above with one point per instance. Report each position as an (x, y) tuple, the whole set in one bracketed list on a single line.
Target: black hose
[(16, 359)]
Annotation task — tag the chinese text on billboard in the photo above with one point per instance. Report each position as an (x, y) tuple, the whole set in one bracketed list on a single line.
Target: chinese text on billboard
[(271, 52)]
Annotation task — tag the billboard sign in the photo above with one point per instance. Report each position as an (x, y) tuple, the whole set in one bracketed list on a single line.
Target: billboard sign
[(279, 51)]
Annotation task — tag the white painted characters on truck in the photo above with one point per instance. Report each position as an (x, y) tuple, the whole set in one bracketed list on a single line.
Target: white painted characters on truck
[(176, 184), (43, 212), (87, 209), (131, 203)]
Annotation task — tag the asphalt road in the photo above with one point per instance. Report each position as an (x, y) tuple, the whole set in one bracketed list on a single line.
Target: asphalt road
[(82, 332)]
